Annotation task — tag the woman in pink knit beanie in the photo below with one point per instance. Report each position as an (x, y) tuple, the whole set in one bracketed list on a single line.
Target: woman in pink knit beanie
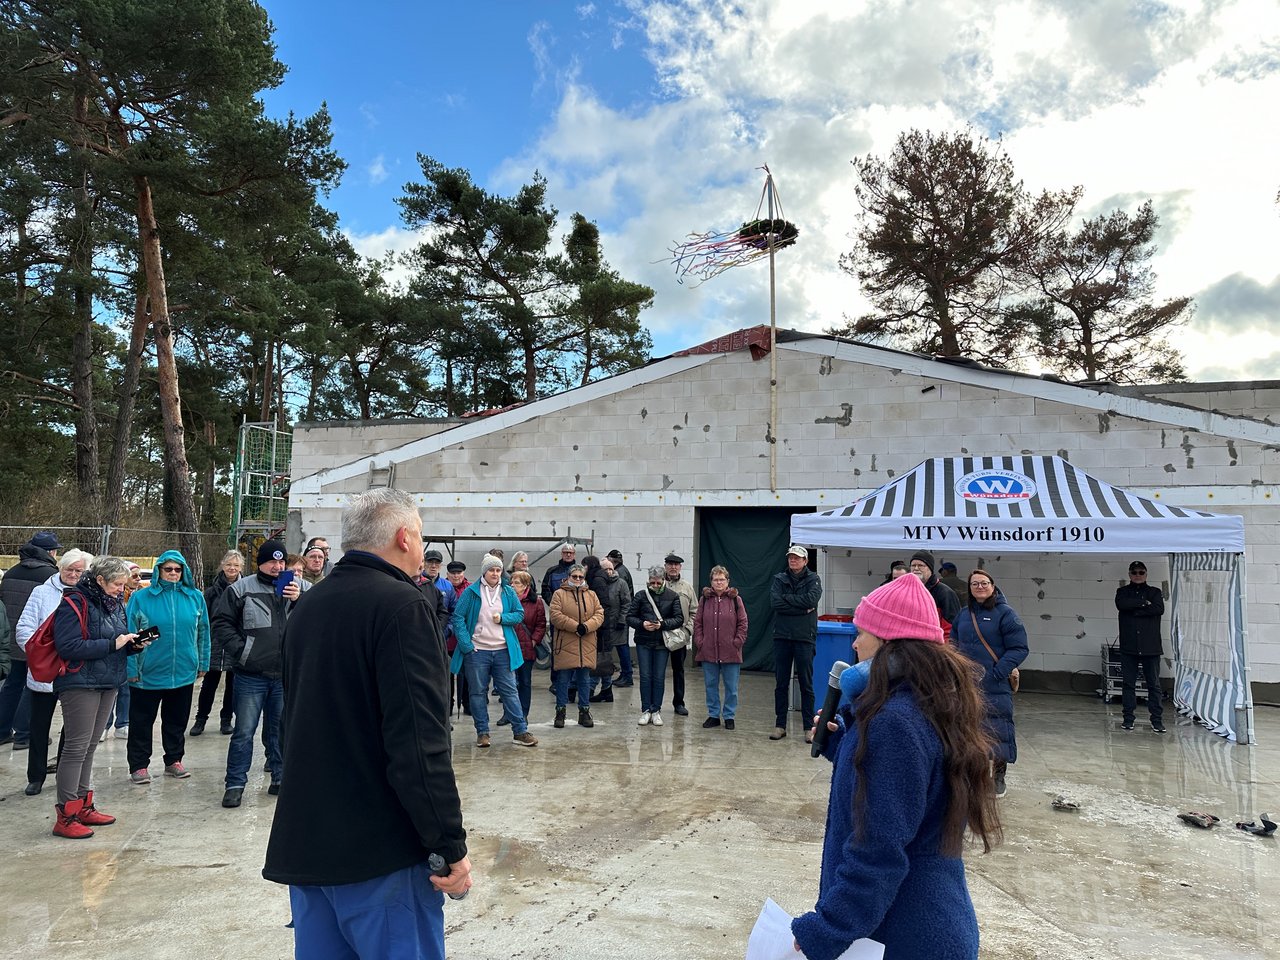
[(911, 774)]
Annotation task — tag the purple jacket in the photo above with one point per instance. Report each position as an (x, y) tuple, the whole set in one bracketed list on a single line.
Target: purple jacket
[(719, 627)]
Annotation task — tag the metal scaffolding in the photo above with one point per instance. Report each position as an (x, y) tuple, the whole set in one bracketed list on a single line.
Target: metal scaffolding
[(264, 456)]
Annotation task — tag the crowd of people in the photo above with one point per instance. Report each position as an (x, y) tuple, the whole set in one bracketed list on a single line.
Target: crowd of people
[(581, 624), (923, 736)]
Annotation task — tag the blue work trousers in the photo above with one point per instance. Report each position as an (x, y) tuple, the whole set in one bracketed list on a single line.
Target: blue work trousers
[(399, 916)]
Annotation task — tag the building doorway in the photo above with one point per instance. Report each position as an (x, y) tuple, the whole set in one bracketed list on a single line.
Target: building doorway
[(751, 542)]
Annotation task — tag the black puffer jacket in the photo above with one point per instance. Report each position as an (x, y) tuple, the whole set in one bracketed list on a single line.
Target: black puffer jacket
[(34, 567), (668, 603), (93, 662), (617, 602), (795, 605)]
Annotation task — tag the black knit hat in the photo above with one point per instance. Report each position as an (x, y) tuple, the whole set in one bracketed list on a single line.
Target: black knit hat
[(271, 550), (925, 557)]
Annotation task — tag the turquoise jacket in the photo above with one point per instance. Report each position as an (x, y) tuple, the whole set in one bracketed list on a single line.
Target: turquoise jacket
[(179, 610), (467, 612)]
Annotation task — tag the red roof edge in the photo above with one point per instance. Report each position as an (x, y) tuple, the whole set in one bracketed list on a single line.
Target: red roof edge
[(755, 339)]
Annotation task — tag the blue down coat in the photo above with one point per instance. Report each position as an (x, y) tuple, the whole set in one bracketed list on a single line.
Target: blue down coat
[(1003, 630)]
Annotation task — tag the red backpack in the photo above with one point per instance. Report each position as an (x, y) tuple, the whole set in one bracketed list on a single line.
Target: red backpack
[(44, 663)]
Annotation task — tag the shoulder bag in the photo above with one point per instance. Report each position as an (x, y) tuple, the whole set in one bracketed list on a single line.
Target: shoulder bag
[(1015, 678), (673, 640)]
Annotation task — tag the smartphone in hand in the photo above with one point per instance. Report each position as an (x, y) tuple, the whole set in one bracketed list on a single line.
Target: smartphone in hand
[(282, 581), (144, 637)]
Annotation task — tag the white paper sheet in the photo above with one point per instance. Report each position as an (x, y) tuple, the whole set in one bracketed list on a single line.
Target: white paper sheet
[(771, 939)]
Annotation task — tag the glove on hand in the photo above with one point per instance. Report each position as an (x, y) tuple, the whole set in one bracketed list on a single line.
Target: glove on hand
[(582, 629)]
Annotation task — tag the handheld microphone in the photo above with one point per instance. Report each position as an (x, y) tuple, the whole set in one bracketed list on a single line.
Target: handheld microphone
[(436, 864), (829, 706)]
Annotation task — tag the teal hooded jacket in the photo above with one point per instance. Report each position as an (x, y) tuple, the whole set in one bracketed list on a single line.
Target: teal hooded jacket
[(179, 610), (467, 613)]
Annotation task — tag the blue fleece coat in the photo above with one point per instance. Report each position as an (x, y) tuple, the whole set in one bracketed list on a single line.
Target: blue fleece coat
[(179, 610), (467, 612), (1004, 631), (892, 884)]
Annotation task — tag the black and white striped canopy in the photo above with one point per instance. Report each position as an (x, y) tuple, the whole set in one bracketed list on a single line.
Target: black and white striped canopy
[(1025, 503)]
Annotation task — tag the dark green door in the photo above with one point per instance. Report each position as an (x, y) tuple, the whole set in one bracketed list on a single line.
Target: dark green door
[(751, 543)]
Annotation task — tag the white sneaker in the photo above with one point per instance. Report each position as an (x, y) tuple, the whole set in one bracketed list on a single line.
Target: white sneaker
[(122, 733), (656, 719), (644, 719), (104, 735)]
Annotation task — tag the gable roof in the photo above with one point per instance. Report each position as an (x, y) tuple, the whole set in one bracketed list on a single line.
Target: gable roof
[(951, 370)]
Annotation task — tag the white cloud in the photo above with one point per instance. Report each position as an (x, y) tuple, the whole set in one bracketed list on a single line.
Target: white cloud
[(377, 170), (1172, 101), (541, 50), (388, 245)]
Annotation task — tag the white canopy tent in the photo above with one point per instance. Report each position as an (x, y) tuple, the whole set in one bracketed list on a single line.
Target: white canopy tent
[(1046, 505)]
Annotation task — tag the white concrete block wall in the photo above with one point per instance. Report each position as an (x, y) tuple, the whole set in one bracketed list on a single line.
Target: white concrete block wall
[(320, 446), (704, 430)]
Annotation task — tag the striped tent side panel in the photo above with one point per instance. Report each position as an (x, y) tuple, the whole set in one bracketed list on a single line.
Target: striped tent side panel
[(1210, 700)]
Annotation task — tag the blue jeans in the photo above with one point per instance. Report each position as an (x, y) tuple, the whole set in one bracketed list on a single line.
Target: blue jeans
[(399, 916), (712, 674), (481, 666), (653, 676), (15, 704), (120, 712), (580, 677), (257, 698)]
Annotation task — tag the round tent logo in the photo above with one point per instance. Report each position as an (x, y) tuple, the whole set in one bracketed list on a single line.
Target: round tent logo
[(995, 485)]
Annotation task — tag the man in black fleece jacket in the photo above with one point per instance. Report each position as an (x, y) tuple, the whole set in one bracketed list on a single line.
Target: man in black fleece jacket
[(944, 598), (371, 791)]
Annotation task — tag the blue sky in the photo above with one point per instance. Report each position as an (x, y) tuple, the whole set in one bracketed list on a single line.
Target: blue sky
[(652, 118), (467, 83)]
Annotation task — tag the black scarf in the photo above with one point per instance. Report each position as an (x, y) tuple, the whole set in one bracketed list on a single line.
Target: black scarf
[(93, 590)]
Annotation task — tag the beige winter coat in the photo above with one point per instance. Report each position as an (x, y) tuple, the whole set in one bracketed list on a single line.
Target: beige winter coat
[(569, 607)]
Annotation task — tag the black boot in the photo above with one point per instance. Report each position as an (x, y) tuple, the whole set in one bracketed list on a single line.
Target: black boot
[(603, 696), (584, 718), (197, 728), (559, 717)]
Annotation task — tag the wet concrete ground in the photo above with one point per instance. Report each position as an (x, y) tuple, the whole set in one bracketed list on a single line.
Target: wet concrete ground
[(623, 841)]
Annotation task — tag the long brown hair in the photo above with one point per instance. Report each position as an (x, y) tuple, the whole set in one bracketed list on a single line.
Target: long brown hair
[(946, 692)]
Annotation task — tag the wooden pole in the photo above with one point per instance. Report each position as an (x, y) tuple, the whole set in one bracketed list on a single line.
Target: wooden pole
[(773, 344)]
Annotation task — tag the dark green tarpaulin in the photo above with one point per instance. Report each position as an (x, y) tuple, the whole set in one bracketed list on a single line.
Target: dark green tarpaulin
[(751, 542)]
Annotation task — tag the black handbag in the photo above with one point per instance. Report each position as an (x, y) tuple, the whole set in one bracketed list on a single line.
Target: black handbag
[(606, 661)]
